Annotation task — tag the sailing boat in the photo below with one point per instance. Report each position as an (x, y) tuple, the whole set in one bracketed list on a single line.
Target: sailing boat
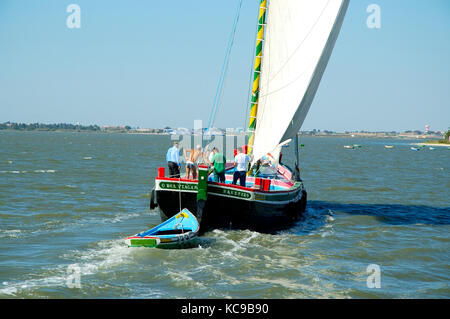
[(294, 42)]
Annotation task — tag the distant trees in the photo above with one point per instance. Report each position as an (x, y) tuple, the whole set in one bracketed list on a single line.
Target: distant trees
[(76, 128), (47, 127)]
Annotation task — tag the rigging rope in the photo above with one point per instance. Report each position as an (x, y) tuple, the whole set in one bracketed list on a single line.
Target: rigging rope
[(219, 90), (179, 191)]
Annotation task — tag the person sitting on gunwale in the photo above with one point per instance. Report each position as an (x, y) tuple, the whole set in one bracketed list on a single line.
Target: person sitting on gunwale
[(173, 160), (218, 161)]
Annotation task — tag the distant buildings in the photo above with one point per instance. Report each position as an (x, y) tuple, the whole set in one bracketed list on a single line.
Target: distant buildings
[(407, 134)]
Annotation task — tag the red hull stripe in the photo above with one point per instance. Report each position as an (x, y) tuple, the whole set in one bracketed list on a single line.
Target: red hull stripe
[(227, 185)]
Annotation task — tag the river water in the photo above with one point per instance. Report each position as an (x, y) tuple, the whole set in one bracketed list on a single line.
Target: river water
[(377, 224)]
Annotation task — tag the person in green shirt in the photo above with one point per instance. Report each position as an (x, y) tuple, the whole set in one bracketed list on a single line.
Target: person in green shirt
[(218, 161)]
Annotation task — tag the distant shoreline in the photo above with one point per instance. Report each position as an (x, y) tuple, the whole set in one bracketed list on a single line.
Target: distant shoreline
[(428, 137), (84, 131), (330, 135)]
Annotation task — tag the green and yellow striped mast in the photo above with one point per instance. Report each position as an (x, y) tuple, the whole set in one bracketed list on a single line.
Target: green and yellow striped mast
[(256, 75)]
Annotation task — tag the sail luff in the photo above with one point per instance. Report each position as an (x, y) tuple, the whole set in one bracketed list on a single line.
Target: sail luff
[(256, 74)]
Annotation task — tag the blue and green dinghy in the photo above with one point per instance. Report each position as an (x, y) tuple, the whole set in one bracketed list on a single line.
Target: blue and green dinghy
[(179, 231)]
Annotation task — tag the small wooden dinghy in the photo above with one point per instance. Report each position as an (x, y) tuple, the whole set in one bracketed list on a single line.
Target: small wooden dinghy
[(179, 231), (389, 146)]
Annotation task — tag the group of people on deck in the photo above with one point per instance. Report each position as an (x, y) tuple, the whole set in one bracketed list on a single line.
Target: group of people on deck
[(215, 159)]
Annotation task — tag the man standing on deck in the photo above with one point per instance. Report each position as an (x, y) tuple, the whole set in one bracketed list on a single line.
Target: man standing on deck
[(241, 161), (218, 161), (173, 160)]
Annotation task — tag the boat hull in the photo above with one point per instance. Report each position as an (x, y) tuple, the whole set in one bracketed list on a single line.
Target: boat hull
[(180, 231), (230, 206), (187, 240)]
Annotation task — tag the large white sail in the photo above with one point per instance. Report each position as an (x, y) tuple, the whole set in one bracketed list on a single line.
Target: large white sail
[(300, 36)]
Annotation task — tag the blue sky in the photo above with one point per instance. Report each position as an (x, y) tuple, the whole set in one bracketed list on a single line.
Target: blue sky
[(151, 63)]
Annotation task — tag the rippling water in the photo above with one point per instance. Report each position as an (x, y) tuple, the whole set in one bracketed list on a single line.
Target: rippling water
[(70, 198)]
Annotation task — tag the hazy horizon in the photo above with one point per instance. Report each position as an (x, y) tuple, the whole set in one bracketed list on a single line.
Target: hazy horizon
[(221, 128)]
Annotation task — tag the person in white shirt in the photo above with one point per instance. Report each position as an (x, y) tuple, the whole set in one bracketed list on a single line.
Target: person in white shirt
[(241, 161)]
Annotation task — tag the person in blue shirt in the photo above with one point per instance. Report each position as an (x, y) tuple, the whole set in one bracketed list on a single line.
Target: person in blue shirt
[(173, 160)]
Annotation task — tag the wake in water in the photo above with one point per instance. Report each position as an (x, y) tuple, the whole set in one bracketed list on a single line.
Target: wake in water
[(313, 220), (102, 258), (32, 171)]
